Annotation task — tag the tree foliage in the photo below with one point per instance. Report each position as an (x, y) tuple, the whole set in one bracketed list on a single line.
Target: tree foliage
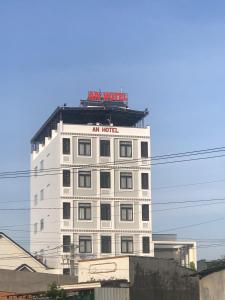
[(55, 292), (192, 266)]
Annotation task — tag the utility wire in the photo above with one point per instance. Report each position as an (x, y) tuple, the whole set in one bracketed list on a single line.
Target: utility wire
[(126, 161), (85, 167), (115, 204), (191, 225)]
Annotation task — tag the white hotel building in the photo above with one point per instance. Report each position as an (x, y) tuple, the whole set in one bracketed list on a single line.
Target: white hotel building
[(91, 186)]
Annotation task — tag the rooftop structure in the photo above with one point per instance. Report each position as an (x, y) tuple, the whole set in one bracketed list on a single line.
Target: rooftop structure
[(90, 112)]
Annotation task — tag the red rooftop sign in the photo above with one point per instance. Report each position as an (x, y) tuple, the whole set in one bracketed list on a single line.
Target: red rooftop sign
[(107, 96)]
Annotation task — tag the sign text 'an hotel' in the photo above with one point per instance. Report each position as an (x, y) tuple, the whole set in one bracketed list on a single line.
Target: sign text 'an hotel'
[(105, 129)]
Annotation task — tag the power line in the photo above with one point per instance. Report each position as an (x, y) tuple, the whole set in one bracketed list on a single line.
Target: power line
[(110, 199), (96, 168), (33, 172), (125, 191), (191, 225), (189, 206), (187, 184)]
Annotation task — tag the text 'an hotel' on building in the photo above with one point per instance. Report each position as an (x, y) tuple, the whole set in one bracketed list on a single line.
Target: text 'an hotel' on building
[(91, 184)]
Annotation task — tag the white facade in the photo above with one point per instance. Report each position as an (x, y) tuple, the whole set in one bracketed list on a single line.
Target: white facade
[(94, 230)]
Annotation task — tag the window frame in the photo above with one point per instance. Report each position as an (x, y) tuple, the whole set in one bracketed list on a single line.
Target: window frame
[(126, 177), (85, 143), (66, 146), (143, 151), (102, 153), (144, 185), (66, 214), (108, 205), (85, 174), (104, 248), (126, 144), (144, 215), (127, 208), (145, 245), (66, 246), (85, 239), (127, 240), (84, 206), (66, 178), (108, 180)]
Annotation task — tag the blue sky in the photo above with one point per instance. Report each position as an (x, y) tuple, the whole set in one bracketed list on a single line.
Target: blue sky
[(169, 57)]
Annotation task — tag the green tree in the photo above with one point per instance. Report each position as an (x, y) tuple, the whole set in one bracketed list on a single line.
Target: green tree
[(192, 266), (54, 292)]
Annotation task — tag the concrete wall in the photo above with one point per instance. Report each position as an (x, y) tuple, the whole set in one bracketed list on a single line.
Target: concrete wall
[(26, 282), (114, 268), (152, 278), (212, 286)]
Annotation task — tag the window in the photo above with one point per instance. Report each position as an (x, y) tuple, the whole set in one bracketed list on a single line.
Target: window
[(66, 243), (66, 146), (105, 180), (126, 212), (66, 177), (126, 244), (66, 210), (106, 244), (35, 227), (145, 244), (145, 212), (41, 224), (66, 271), (125, 149), (41, 165), (35, 199), (104, 148), (144, 149), (42, 194), (105, 212), (126, 180), (84, 211), (85, 244), (84, 147), (84, 178), (144, 181)]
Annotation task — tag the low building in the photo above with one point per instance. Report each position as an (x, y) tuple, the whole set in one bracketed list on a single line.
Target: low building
[(120, 278), (15, 257), (146, 277), (16, 282), (167, 246)]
